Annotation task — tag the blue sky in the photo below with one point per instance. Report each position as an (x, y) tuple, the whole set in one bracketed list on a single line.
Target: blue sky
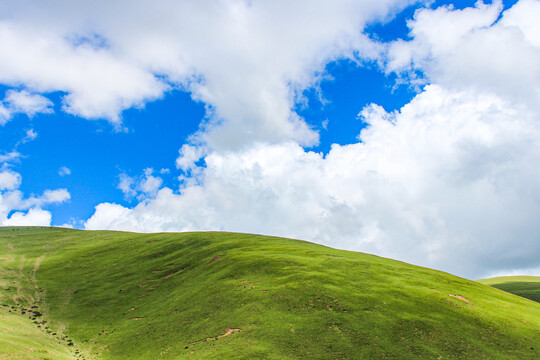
[(374, 127)]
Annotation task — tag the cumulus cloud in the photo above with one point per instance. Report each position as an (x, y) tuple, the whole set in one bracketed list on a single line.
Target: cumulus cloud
[(447, 178), (448, 181), (33, 217), (470, 49), (247, 60)]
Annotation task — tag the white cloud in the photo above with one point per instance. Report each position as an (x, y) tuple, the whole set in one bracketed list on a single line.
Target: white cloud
[(188, 156), (26, 103), (15, 208), (99, 85), (5, 115), (33, 217), (53, 196), (247, 60), (30, 210), (22, 102), (9, 180), (150, 185), (9, 156), (448, 182), (143, 187), (444, 183), (470, 49), (126, 186), (64, 171), (31, 135)]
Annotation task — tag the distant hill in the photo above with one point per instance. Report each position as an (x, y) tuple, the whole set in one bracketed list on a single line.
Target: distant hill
[(70, 294), (524, 286)]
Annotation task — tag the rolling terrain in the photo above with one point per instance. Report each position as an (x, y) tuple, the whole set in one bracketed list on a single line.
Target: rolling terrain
[(524, 286), (71, 294)]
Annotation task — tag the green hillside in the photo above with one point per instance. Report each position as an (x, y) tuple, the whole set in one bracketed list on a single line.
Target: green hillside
[(114, 295), (524, 286)]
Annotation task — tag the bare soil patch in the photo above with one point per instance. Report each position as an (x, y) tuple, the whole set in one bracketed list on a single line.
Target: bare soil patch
[(462, 298)]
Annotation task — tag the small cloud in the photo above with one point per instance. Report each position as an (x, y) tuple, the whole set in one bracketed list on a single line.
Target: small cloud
[(324, 124), (126, 186), (142, 187), (9, 180), (189, 155), (67, 226), (9, 156), (33, 217), (23, 102), (164, 171), (27, 103), (64, 171), (30, 136), (5, 114)]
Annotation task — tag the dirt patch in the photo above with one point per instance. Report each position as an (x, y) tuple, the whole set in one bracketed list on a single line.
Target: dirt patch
[(229, 331), (462, 298), (264, 290), (215, 258), (136, 318)]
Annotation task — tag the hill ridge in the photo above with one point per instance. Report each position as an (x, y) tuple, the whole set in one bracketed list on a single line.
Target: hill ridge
[(122, 295)]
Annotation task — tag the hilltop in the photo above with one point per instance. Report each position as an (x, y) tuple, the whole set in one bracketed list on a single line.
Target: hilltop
[(71, 294), (524, 286)]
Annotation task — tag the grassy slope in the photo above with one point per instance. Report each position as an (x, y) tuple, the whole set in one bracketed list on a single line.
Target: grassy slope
[(150, 296), (524, 286)]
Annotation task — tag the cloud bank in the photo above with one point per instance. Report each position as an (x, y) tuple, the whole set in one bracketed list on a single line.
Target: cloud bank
[(449, 181)]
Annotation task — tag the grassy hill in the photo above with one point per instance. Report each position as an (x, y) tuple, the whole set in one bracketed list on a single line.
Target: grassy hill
[(70, 294), (524, 286)]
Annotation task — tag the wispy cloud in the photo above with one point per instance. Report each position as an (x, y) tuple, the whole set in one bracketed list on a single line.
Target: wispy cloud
[(64, 171)]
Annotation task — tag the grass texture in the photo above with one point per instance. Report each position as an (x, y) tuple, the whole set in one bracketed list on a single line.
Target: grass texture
[(70, 294)]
